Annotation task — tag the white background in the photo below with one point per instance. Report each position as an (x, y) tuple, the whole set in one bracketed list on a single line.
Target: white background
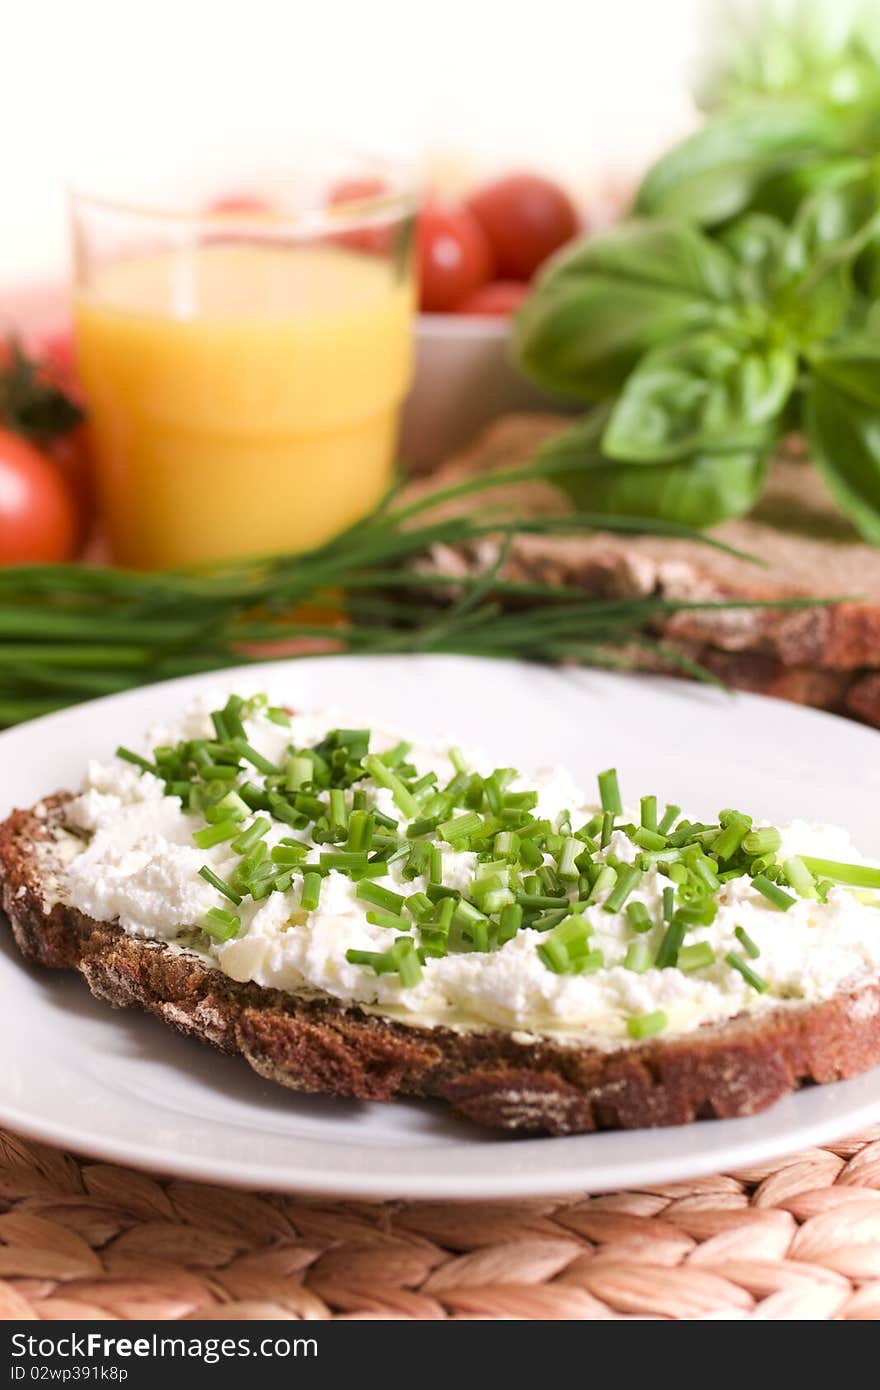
[(587, 88)]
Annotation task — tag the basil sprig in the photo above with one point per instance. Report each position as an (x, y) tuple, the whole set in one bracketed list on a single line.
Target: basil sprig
[(793, 99), (700, 351), (757, 156)]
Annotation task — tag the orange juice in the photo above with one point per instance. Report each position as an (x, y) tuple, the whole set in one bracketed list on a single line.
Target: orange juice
[(244, 398)]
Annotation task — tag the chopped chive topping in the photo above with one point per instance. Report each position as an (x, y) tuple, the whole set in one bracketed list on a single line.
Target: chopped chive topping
[(524, 871), (401, 959), (695, 957), (667, 954), (737, 963), (765, 841), (222, 887), (509, 922), (748, 945), (603, 883), (638, 957), (338, 808), (567, 862), (435, 865), (460, 827), (638, 917), (419, 906), (425, 826), (396, 755), (215, 834), (382, 774), (254, 833), (389, 920), (311, 891), (628, 878), (250, 755), (646, 1025), (343, 859), (609, 792), (380, 897), (220, 925), (135, 758), (731, 838), (649, 839), (799, 877), (456, 757), (773, 893), (855, 875)]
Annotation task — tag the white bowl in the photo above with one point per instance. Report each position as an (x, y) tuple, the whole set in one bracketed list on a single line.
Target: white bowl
[(463, 381)]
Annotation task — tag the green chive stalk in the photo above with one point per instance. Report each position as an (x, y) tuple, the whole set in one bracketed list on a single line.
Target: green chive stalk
[(73, 632)]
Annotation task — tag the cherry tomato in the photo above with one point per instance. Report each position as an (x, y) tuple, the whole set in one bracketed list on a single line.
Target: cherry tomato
[(454, 257), (52, 368), (497, 298), (72, 455), (37, 515), (525, 218)]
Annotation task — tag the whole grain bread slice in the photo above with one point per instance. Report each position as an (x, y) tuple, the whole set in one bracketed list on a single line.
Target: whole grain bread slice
[(806, 547), (497, 1078)]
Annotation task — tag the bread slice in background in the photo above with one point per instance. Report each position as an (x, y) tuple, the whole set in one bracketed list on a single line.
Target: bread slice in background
[(828, 657)]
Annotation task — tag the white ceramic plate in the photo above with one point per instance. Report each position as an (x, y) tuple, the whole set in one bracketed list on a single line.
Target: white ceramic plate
[(123, 1087)]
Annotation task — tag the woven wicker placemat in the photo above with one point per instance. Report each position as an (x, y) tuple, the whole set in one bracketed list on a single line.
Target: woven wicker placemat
[(796, 1238)]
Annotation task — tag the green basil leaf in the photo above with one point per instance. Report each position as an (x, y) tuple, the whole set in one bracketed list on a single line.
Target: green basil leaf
[(698, 491), (714, 173), (704, 393), (827, 239), (868, 271), (783, 194), (652, 251), (827, 50), (844, 439), (600, 305), (757, 243), (831, 221), (852, 366), (582, 339)]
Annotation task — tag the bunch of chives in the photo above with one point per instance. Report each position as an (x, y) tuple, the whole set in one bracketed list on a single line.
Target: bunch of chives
[(68, 632)]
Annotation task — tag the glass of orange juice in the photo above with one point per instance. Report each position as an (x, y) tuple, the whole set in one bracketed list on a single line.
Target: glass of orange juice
[(244, 337)]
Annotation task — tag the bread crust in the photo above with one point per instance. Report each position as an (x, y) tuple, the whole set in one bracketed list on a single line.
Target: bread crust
[(534, 1086)]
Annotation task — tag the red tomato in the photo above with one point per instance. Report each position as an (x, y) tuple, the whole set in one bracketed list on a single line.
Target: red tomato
[(499, 297), (525, 218), (454, 257), (72, 455), (52, 370), (37, 515)]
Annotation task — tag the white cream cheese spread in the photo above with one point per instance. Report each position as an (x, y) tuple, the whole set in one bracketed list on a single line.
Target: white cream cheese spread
[(139, 866)]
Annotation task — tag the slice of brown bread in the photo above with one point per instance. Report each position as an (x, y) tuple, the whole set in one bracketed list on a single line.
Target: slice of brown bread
[(807, 548), (528, 1084)]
